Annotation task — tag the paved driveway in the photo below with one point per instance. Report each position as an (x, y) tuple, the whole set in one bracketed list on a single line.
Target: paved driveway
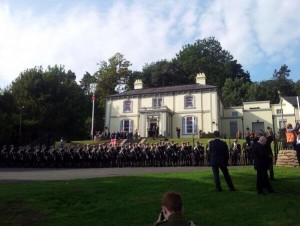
[(25, 174)]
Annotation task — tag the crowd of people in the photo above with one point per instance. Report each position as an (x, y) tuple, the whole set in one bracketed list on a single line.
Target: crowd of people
[(162, 153)]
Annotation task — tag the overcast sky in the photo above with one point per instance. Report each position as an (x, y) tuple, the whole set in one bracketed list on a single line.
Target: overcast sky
[(262, 35)]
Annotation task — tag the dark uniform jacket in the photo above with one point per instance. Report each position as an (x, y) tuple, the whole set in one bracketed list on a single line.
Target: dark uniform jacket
[(261, 157), (218, 153), (175, 219)]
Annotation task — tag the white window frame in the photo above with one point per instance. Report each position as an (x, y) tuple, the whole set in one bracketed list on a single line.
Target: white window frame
[(126, 125), (127, 108), (157, 102), (189, 124), (192, 102)]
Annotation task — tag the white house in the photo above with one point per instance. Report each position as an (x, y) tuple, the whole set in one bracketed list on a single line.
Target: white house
[(191, 108)]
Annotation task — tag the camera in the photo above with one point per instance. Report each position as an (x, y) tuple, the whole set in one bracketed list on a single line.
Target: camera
[(161, 216)]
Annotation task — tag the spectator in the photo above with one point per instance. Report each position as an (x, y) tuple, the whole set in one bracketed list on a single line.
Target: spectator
[(298, 147), (291, 135), (270, 139), (238, 135), (219, 156), (62, 142), (261, 165), (178, 132), (172, 211)]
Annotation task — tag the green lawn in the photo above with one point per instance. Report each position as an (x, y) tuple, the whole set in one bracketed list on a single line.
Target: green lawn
[(135, 200)]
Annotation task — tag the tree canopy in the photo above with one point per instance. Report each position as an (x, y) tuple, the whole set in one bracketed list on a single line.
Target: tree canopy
[(54, 104)]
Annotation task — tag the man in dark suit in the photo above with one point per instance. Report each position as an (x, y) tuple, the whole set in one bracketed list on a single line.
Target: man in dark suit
[(261, 165), (219, 160)]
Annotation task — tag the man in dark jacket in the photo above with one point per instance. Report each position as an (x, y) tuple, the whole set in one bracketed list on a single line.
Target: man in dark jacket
[(219, 156), (270, 139), (261, 165)]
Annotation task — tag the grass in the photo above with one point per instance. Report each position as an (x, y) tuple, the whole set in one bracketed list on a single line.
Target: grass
[(135, 200)]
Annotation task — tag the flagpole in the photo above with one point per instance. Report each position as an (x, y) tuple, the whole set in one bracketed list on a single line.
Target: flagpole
[(93, 89), (298, 107), (93, 110)]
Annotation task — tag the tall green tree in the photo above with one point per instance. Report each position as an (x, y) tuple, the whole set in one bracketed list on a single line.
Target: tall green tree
[(8, 117), (54, 104), (260, 91), (297, 87), (112, 77), (235, 91), (86, 82), (268, 89), (208, 56), (282, 83)]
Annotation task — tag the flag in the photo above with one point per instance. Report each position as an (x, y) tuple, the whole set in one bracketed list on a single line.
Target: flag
[(93, 97)]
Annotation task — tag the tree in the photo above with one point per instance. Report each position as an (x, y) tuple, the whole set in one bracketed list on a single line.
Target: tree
[(8, 117), (54, 103), (157, 74), (112, 77), (280, 82), (297, 87), (86, 82), (283, 73), (208, 56), (234, 91)]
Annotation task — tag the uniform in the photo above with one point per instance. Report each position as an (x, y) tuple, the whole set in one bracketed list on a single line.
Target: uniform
[(219, 160)]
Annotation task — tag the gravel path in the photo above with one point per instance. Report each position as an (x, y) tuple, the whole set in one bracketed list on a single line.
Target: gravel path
[(25, 174)]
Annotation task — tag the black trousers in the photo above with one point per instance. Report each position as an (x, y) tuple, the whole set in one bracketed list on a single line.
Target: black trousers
[(262, 181), (227, 177), (298, 156), (271, 170)]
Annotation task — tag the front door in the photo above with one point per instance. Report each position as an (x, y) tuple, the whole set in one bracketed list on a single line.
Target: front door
[(152, 127), (233, 129)]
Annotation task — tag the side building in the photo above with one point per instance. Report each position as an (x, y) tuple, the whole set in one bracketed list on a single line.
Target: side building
[(260, 115)]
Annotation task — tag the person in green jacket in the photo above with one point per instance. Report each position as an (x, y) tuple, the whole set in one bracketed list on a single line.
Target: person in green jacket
[(172, 211)]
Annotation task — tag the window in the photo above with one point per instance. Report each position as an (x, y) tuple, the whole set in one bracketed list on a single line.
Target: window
[(127, 106), (189, 124), (189, 101), (278, 111), (157, 102), (234, 114), (126, 125), (282, 123)]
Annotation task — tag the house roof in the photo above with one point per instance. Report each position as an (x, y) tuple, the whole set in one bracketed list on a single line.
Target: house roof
[(165, 89), (292, 100)]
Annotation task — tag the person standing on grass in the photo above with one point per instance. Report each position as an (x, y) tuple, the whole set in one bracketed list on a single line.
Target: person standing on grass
[(219, 156), (270, 139), (261, 165), (298, 147), (172, 211)]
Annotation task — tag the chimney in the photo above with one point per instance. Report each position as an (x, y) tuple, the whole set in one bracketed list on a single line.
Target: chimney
[(138, 84), (201, 79)]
